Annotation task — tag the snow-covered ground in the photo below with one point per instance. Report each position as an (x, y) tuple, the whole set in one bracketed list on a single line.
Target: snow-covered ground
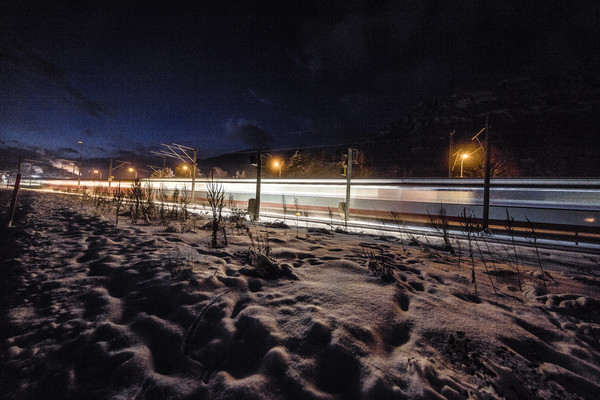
[(95, 310)]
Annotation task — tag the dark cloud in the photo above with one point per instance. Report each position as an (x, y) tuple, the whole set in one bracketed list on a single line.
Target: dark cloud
[(312, 71), (27, 152), (67, 151), (20, 56), (248, 134), (365, 45)]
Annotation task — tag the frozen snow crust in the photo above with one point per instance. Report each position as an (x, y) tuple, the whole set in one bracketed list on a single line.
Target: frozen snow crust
[(96, 311)]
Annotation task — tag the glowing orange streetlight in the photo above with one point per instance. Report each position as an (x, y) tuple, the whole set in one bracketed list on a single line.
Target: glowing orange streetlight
[(134, 171), (277, 164), (98, 173), (462, 160)]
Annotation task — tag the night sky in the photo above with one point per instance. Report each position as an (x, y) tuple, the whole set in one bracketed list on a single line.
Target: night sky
[(125, 76)]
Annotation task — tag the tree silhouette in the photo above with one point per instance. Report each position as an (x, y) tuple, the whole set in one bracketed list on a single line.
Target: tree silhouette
[(297, 164)]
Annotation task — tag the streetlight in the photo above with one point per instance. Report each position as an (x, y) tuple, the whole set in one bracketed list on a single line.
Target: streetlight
[(278, 164), (134, 171), (463, 158), (185, 168), (96, 172)]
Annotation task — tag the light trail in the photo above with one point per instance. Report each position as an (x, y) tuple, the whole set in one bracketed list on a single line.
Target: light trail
[(553, 205)]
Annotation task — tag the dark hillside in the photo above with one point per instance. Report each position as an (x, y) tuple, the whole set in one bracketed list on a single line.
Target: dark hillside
[(538, 127)]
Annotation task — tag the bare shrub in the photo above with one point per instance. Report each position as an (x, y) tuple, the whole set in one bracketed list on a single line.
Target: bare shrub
[(136, 196), (175, 200), (259, 244), (97, 196), (106, 195), (440, 224), (344, 209), (180, 264), (483, 260), (163, 196), (215, 196), (469, 228), (330, 213), (532, 237), (259, 257), (383, 235), (84, 195), (284, 206), (509, 224), (379, 264), (184, 201), (397, 217), (237, 216), (297, 214), (118, 199), (148, 205), (305, 213)]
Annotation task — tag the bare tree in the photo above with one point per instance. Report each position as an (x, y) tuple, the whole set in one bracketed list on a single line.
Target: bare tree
[(148, 206), (136, 196), (215, 195), (184, 200), (175, 199), (118, 198), (163, 196)]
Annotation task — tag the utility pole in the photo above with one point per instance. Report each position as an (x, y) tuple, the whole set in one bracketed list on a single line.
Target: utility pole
[(349, 162), (486, 180), (258, 179), (450, 154), (194, 174)]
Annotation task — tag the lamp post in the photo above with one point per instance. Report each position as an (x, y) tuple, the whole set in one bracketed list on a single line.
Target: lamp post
[(96, 172), (486, 178), (450, 154), (462, 161), (134, 171), (278, 164), (258, 183)]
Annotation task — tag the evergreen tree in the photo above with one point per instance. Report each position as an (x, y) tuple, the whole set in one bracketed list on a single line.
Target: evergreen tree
[(297, 164)]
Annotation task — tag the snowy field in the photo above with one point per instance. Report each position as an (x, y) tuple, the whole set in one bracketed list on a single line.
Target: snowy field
[(95, 310)]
